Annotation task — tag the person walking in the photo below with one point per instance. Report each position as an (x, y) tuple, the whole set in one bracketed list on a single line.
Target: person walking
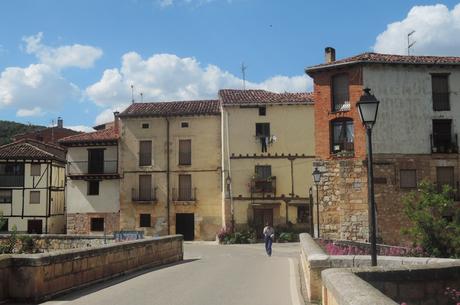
[(269, 236)]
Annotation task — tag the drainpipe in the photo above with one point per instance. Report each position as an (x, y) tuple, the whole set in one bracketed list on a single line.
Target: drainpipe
[(168, 199)]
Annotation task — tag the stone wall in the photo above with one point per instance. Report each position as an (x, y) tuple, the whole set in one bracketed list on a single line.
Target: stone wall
[(314, 261), (80, 223), (53, 242), (417, 285), (343, 209), (38, 277)]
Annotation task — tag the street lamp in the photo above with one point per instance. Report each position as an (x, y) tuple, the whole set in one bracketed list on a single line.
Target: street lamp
[(317, 178), (368, 106)]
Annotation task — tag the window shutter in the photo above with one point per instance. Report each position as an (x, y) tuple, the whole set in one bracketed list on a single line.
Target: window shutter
[(145, 153), (185, 187), (185, 152), (440, 88), (145, 187)]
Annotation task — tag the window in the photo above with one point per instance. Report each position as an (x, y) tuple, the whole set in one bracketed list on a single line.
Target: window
[(263, 134), (35, 226), (340, 98), (6, 196), (185, 152), (93, 188), (407, 178), (302, 214), (145, 153), (144, 220), (440, 88), (145, 187), (35, 169), (442, 137), (342, 136), (4, 228), (263, 171), (145, 125), (97, 224), (185, 187), (445, 176), (96, 161), (184, 124), (262, 111), (34, 197)]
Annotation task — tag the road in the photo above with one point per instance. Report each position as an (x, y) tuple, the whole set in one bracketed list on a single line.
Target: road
[(209, 275)]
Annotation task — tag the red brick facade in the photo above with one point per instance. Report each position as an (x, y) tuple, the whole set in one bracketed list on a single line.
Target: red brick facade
[(324, 114)]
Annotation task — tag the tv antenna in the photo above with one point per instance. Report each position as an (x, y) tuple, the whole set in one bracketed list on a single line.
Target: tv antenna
[(243, 71), (132, 94), (409, 43), (142, 97)]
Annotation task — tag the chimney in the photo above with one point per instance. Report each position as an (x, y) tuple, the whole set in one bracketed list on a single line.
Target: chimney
[(329, 54), (116, 121), (60, 122)]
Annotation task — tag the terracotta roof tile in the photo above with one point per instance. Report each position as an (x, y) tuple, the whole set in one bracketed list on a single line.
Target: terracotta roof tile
[(177, 108), (31, 150), (104, 135), (389, 59), (261, 97)]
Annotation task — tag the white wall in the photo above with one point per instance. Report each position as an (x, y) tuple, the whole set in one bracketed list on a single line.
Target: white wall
[(108, 199), (405, 114)]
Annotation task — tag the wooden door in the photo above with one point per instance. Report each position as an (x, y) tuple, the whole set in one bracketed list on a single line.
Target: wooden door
[(145, 187), (185, 187), (95, 161), (261, 218)]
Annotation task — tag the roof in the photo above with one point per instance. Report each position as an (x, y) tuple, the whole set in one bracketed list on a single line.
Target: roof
[(104, 136), (231, 97), (31, 150), (378, 58), (176, 108), (59, 132)]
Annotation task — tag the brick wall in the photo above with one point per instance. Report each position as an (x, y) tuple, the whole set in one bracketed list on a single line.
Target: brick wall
[(324, 114), (38, 277)]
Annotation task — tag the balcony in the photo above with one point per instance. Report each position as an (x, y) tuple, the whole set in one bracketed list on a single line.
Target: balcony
[(444, 147), (184, 194), (11, 181), (265, 187), (344, 149), (341, 107), (81, 169), (144, 196)]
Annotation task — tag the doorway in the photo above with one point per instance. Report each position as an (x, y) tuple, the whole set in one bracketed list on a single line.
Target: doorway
[(185, 225), (261, 217)]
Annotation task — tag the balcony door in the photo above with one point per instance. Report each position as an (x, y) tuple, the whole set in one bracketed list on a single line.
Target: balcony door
[(96, 161), (185, 187), (442, 137), (145, 187)]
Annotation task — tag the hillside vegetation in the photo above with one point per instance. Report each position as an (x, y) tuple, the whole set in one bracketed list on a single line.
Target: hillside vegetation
[(9, 129)]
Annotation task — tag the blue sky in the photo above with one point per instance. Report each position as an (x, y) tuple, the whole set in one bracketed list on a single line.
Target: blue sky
[(77, 59)]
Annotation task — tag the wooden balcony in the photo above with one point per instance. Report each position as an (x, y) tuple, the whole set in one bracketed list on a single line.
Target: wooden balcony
[(263, 187), (87, 170)]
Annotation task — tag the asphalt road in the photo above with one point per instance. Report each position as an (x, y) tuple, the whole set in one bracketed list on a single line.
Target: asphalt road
[(210, 275)]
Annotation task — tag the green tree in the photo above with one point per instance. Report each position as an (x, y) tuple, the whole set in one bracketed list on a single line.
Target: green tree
[(436, 220)]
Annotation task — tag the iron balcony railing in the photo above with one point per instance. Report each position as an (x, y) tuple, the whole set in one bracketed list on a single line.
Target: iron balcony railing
[(184, 194), (89, 168), (444, 146), (11, 180), (145, 195), (263, 186)]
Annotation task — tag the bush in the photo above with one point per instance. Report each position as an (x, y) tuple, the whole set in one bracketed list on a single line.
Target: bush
[(225, 236), (436, 220), (287, 237), (27, 244), (11, 242)]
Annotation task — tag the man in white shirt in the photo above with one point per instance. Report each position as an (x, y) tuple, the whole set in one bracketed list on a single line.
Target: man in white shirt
[(269, 236)]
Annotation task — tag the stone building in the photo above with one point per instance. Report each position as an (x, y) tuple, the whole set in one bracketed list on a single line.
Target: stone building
[(414, 138), (93, 181), (32, 181), (170, 156), (268, 150)]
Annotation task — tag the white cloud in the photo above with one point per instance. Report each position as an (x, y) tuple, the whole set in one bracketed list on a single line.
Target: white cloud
[(82, 128), (107, 115), (36, 111), (77, 55), (169, 77), (436, 32), (36, 86)]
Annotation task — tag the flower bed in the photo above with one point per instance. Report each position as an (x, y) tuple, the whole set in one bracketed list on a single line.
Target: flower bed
[(345, 247)]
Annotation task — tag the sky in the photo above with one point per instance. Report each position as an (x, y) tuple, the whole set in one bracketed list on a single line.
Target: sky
[(78, 59)]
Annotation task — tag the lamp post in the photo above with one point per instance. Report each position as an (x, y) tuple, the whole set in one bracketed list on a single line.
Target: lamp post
[(317, 178), (368, 106)]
